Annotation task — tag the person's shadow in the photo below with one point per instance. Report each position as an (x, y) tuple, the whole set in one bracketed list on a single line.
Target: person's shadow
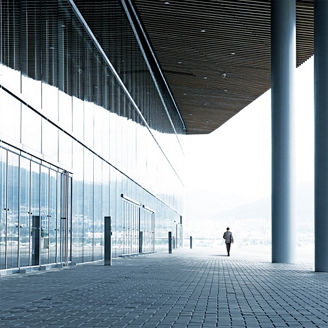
[(220, 255)]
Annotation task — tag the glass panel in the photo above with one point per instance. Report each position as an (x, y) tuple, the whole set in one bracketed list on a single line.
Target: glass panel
[(79, 90), (105, 198), (58, 223), (10, 116), (52, 215), (69, 219), (78, 117), (50, 140), (98, 219), (31, 129), (35, 212), (44, 208), (12, 211), (88, 207), (77, 202), (65, 149), (113, 206), (65, 217), (65, 111), (3, 225), (10, 78), (24, 212), (31, 89), (50, 101), (88, 123)]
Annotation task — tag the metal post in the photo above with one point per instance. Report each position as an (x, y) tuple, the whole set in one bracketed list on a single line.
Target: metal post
[(36, 225), (321, 134), (140, 241), (108, 240), (190, 242), (173, 242), (170, 242), (283, 64)]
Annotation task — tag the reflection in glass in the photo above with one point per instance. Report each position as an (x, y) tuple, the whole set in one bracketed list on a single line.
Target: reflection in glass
[(50, 101), (35, 213), (88, 223), (52, 216), (44, 212), (24, 212), (65, 150), (9, 124), (98, 213), (31, 129), (48, 56), (50, 140), (3, 212), (77, 203), (12, 210)]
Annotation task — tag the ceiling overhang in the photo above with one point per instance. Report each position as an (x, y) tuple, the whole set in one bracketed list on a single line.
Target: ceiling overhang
[(215, 54)]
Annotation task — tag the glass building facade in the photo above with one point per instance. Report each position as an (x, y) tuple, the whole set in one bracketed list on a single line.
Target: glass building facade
[(84, 133)]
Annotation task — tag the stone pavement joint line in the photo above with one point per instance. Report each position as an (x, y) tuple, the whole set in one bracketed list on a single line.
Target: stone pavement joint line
[(189, 288)]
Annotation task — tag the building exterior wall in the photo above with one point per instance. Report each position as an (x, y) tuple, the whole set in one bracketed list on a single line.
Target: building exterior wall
[(76, 144)]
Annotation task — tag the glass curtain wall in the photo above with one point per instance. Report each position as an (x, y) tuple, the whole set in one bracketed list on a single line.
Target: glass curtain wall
[(67, 114), (29, 220)]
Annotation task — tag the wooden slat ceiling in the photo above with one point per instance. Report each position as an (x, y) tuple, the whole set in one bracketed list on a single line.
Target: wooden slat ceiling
[(215, 54)]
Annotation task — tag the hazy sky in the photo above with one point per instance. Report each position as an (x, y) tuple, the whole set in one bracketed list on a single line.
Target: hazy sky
[(231, 167)]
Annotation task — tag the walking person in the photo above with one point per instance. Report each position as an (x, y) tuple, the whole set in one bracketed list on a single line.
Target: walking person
[(228, 239)]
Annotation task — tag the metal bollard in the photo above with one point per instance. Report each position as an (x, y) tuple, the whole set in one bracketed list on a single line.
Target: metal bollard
[(108, 240), (140, 241), (190, 242), (170, 242)]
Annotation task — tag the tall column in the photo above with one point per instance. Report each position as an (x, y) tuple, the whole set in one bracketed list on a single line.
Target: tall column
[(321, 134), (283, 65)]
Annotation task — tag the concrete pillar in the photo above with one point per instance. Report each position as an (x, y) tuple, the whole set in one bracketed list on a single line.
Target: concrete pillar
[(321, 134), (283, 65)]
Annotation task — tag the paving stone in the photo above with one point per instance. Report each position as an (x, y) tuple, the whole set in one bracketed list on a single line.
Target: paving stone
[(186, 289)]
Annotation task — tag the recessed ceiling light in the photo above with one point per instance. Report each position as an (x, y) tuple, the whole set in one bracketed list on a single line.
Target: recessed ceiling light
[(166, 3), (190, 114), (203, 30), (233, 53), (179, 62), (225, 90), (184, 94), (205, 77), (224, 75)]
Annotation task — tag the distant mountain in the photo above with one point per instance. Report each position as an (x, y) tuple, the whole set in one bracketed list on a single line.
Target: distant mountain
[(210, 213)]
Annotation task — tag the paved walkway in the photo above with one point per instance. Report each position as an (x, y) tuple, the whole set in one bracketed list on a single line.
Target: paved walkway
[(186, 289)]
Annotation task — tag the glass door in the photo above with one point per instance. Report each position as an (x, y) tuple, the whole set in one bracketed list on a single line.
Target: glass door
[(52, 216), (44, 213), (12, 210), (35, 213), (65, 218), (24, 212), (147, 227)]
